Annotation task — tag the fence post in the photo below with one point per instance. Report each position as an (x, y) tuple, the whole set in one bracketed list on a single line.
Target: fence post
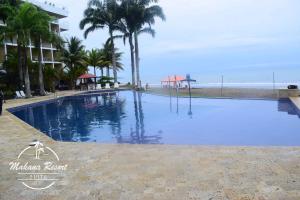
[(222, 84), (274, 81)]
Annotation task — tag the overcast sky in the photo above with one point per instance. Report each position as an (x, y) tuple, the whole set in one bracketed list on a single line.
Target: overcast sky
[(244, 40)]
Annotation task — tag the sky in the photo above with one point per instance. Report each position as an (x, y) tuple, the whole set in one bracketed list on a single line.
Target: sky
[(242, 40)]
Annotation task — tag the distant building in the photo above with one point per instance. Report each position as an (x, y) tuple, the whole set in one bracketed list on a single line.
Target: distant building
[(49, 52)]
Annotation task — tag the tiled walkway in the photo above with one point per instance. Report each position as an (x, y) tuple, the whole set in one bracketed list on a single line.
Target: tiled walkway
[(97, 171)]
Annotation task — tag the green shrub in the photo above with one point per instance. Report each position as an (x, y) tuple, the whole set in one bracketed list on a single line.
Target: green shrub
[(104, 80)]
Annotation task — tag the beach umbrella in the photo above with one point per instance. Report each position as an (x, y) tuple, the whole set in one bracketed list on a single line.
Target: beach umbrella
[(189, 80), (88, 76), (172, 79)]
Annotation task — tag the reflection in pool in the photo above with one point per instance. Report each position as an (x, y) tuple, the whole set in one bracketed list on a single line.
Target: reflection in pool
[(139, 118)]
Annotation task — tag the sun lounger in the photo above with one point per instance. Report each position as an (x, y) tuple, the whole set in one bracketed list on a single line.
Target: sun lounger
[(116, 85), (99, 87), (22, 94), (91, 86), (18, 95)]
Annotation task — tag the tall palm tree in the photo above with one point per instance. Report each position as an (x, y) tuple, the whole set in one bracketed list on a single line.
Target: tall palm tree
[(73, 55), (136, 14), (21, 23), (94, 58), (8, 10), (99, 15), (39, 32), (147, 11), (127, 13)]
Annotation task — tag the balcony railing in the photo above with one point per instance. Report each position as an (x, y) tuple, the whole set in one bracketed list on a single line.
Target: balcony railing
[(46, 59), (11, 41), (46, 45)]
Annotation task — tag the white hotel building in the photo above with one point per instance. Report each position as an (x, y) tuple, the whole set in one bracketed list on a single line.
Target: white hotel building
[(49, 51)]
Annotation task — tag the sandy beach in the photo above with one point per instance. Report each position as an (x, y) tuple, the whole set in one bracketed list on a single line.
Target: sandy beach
[(226, 92)]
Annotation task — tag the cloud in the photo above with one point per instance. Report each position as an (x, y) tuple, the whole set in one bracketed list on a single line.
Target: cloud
[(221, 31), (205, 44)]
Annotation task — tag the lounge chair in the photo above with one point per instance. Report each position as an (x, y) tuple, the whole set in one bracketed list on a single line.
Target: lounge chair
[(22, 93), (18, 95), (99, 87), (91, 87), (107, 86), (116, 85)]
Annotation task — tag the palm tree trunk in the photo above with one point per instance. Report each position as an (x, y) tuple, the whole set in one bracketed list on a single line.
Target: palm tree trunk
[(20, 68), (73, 79), (113, 57), (26, 75), (102, 72), (41, 76), (137, 60), (137, 119), (107, 72), (95, 70), (132, 61)]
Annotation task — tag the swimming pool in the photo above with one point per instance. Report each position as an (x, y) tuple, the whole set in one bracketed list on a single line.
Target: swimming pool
[(140, 118)]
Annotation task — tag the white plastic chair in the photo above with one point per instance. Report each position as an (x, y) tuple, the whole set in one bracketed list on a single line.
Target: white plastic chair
[(18, 95), (99, 87), (22, 93), (116, 85), (107, 86)]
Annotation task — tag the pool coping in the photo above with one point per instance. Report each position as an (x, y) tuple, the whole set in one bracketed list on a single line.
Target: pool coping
[(296, 101)]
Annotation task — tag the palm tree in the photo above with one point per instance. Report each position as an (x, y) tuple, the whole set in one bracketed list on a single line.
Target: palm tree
[(137, 14), (21, 23), (102, 63), (41, 32), (8, 10), (94, 58), (127, 13), (51, 76), (7, 7), (73, 55), (147, 14), (101, 15), (108, 57)]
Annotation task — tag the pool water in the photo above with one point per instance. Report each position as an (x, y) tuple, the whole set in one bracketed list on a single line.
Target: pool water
[(139, 118)]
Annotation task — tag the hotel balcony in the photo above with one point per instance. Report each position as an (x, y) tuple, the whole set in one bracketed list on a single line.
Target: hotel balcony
[(46, 45), (11, 41)]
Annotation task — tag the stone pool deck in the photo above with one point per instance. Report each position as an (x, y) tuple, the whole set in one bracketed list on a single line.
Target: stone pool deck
[(296, 101), (97, 171)]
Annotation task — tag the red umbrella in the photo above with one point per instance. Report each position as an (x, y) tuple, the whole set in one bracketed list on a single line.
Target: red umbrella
[(173, 79), (87, 76)]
